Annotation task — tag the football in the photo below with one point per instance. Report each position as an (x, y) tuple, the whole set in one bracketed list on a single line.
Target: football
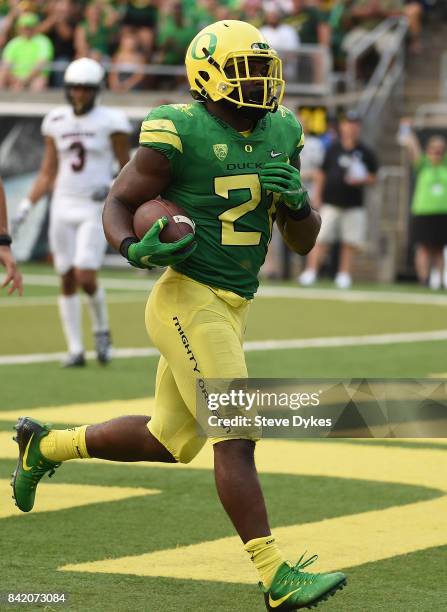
[(179, 225)]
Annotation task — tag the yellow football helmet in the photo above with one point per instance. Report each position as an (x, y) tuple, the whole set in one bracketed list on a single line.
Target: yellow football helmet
[(218, 65)]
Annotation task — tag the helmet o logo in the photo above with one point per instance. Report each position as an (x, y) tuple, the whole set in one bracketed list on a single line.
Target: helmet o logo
[(248, 148), (208, 40)]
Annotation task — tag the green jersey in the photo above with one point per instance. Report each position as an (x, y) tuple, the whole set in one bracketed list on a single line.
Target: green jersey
[(215, 179), (430, 194)]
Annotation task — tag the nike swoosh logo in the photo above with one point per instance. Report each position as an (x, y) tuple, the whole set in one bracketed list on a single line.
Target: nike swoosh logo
[(274, 603), (273, 154), (25, 456), (145, 260)]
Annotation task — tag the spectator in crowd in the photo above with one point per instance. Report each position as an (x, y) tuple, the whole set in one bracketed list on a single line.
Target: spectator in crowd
[(311, 23), (429, 204), (9, 11), (348, 166), (124, 73), (414, 10), (25, 56), (310, 20), (251, 12), (140, 18), (174, 33), (94, 35), (362, 17), (203, 13), (59, 26), (283, 38), (13, 278), (338, 20)]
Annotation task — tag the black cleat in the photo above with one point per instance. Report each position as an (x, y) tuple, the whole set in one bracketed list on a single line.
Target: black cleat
[(103, 347), (74, 361)]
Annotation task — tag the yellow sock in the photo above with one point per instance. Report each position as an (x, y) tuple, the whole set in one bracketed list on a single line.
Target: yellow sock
[(63, 444), (266, 556)]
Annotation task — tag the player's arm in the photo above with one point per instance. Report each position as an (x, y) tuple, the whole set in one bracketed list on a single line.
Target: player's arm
[(319, 183), (13, 276), (121, 147), (299, 227), (43, 183), (146, 176)]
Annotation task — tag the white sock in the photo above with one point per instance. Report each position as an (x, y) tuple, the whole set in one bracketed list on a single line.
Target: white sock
[(98, 311), (71, 318)]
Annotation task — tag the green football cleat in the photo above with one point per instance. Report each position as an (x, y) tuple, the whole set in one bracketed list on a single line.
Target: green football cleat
[(293, 589), (32, 465)]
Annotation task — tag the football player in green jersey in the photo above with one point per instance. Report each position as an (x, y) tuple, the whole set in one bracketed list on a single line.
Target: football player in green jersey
[(231, 160)]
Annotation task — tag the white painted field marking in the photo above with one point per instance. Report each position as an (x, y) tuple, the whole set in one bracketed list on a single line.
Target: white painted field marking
[(353, 295), (265, 291), (48, 280), (256, 345), (48, 300)]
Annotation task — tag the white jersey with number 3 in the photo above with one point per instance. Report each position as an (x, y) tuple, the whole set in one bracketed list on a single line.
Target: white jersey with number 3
[(85, 153)]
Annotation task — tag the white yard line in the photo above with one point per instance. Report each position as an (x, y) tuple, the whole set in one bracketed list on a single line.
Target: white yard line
[(115, 298), (353, 295), (268, 291), (48, 280), (261, 345)]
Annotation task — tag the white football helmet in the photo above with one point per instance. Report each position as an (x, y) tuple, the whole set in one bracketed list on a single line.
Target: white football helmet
[(87, 73), (84, 71)]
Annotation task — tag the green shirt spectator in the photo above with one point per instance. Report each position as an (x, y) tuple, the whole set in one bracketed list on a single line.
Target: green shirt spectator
[(27, 51), (430, 196), (368, 14), (310, 22), (175, 32)]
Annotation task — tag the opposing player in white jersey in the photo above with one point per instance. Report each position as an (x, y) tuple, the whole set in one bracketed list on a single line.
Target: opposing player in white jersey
[(81, 141)]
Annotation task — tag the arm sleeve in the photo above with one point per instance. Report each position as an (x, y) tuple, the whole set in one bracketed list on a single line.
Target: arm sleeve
[(371, 162), (299, 144), (325, 165), (119, 123), (45, 128), (158, 131)]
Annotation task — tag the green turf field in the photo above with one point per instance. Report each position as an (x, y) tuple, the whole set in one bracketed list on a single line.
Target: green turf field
[(152, 538)]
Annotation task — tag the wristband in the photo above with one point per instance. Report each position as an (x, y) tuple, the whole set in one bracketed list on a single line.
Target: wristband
[(125, 244), (5, 240), (301, 214)]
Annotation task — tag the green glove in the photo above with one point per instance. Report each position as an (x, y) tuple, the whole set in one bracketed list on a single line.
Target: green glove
[(151, 252), (285, 179)]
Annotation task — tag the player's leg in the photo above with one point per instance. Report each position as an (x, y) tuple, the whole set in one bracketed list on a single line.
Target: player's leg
[(330, 220), (200, 332), (352, 236), (437, 264), (90, 249), (42, 450), (126, 438), (343, 279), (137, 438), (62, 242), (239, 488)]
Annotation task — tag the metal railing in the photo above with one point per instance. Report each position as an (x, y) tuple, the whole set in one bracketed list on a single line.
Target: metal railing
[(385, 36), (387, 209), (431, 115), (386, 81)]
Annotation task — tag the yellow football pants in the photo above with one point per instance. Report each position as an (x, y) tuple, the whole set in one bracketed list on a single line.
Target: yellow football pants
[(199, 333)]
